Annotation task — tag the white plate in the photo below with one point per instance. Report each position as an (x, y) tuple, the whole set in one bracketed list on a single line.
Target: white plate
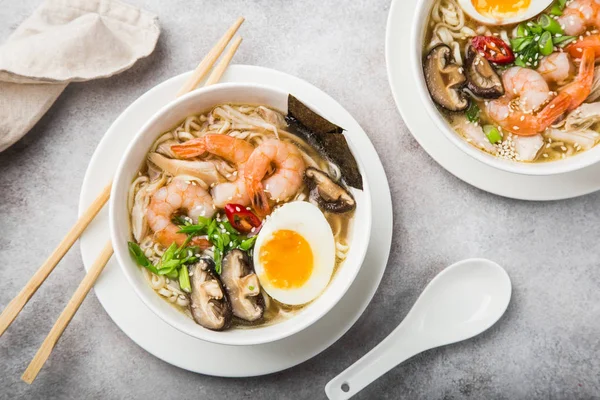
[(425, 131), (177, 348)]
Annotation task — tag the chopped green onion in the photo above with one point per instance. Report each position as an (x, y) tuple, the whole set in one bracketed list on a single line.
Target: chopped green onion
[(520, 43), (522, 30), (173, 274), (562, 41), (140, 257), (248, 243), (184, 279), (168, 267), (556, 10), (519, 62), (211, 227), (545, 44), (218, 258), (472, 112), (534, 28), (169, 253), (251, 287), (549, 24), (492, 133)]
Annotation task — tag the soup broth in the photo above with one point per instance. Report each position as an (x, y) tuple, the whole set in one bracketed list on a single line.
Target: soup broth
[(177, 171)]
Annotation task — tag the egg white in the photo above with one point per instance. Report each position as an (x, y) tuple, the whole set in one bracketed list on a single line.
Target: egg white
[(535, 8), (309, 222)]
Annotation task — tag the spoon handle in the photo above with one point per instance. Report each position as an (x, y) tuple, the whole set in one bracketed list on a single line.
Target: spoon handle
[(399, 346)]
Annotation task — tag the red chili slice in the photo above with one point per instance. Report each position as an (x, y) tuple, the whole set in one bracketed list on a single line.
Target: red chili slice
[(493, 49), (240, 218)]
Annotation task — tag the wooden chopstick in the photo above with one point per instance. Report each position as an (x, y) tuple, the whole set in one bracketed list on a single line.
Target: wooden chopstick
[(65, 317), (16, 305), (90, 278), (219, 70), (206, 64)]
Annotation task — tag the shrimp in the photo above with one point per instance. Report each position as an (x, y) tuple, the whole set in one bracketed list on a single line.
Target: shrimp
[(229, 148), (557, 68), (526, 91), (283, 183), (581, 87), (580, 15), (525, 86), (166, 201), (575, 49)]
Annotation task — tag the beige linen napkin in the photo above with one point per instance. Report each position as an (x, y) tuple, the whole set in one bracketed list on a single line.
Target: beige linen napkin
[(66, 41)]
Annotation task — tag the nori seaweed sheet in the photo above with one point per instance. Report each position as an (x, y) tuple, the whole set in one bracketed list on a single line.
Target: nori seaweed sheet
[(326, 137)]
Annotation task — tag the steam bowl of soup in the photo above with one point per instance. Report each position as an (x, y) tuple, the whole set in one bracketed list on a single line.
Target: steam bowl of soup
[(239, 214), (521, 97)]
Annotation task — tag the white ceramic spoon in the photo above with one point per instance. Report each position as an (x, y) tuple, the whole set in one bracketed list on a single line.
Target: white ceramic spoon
[(462, 301)]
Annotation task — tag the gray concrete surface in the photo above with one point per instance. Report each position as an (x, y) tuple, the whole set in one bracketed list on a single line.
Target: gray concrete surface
[(547, 346)]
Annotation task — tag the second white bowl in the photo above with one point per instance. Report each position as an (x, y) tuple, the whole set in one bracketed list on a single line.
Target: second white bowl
[(568, 164)]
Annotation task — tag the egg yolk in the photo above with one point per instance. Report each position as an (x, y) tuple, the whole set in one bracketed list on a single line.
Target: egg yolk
[(287, 259), (500, 7)]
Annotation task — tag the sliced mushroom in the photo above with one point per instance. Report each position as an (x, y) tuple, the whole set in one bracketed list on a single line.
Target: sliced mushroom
[(444, 79), (242, 286), (204, 170), (482, 79), (272, 117), (583, 117), (329, 195), (208, 303)]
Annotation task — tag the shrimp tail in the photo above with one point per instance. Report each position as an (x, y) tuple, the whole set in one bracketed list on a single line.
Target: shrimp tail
[(259, 200), (585, 78), (553, 110), (189, 149), (530, 125), (581, 87)]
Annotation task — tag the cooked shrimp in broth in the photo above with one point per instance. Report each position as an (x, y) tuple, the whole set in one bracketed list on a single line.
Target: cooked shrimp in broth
[(166, 201), (218, 197), (512, 90), (283, 183)]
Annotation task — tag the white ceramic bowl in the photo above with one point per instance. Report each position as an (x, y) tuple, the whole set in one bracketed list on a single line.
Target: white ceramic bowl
[(169, 116), (568, 164)]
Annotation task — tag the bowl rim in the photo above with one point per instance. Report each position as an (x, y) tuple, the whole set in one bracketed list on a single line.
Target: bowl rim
[(569, 164), (123, 257)]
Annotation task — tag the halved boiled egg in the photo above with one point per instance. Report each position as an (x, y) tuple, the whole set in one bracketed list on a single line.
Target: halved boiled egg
[(294, 254), (503, 12)]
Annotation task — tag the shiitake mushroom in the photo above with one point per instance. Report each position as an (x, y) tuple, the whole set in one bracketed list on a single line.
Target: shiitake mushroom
[(242, 286), (329, 195), (209, 304), (482, 79), (445, 79)]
